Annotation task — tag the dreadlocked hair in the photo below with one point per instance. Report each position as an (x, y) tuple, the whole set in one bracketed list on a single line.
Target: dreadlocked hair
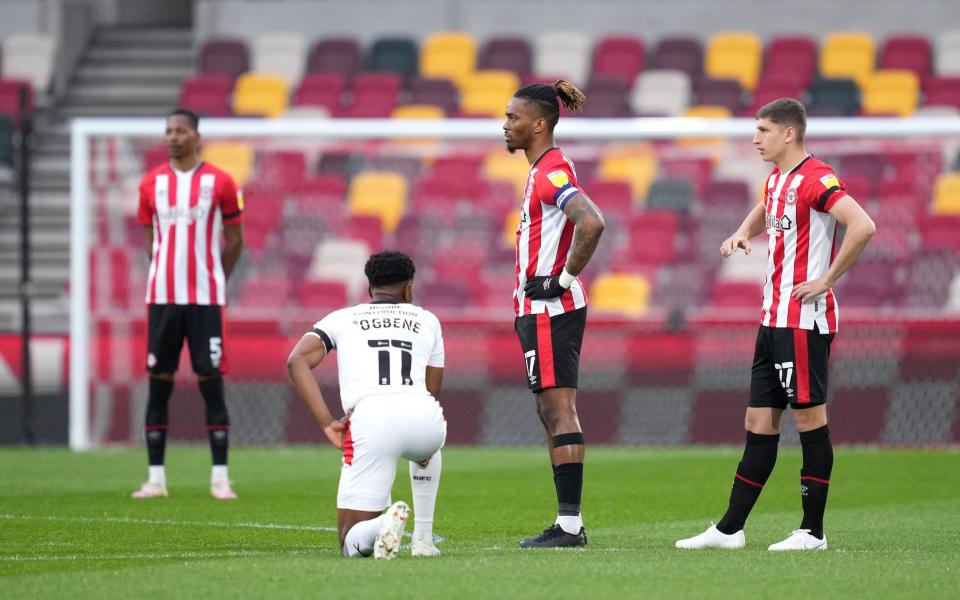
[(544, 96)]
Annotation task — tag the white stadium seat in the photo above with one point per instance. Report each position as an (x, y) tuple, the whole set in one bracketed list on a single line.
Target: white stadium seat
[(29, 57), (280, 53), (661, 93), (563, 54)]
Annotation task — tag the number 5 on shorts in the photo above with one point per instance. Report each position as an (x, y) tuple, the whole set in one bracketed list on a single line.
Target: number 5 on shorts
[(216, 351)]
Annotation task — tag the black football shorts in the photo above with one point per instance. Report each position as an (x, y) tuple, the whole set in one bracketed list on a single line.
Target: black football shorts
[(202, 326), (551, 348), (789, 367)]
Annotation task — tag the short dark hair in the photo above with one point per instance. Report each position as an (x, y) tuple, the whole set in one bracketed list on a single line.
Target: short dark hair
[(544, 96), (190, 116), (389, 267), (787, 112)]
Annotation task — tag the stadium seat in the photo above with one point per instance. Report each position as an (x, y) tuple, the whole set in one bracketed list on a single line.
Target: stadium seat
[(439, 92), (619, 56), (695, 170), (706, 111), (226, 56), (508, 233), (6, 141), (320, 89), (638, 169), (671, 194), (720, 92), (10, 90), (726, 193), (366, 228), (661, 93), (29, 57), (679, 54), (396, 54), (608, 97), (946, 195), (793, 58), (849, 55), (613, 197), (509, 168), (281, 168), (891, 92), (507, 54), (566, 54), (737, 294), (207, 94), (448, 54), (940, 232), (259, 95), (909, 52), (929, 276), (943, 91), (418, 111), (947, 58), (335, 55), (322, 294), (281, 53), (264, 291), (652, 239), (829, 97), (236, 158), (735, 55), (341, 260), (624, 294), (381, 194), (487, 92)]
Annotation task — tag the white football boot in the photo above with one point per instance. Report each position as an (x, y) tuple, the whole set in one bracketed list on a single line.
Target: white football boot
[(387, 544), (800, 539), (423, 548), (713, 538), (221, 490), (150, 490)]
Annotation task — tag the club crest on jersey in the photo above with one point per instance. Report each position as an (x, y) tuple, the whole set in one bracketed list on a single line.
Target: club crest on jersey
[(791, 196), (558, 178)]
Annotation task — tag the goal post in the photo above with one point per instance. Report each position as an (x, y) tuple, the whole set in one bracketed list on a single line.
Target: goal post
[(597, 131)]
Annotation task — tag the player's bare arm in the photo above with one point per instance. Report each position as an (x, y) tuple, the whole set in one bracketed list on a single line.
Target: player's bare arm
[(751, 227), (860, 228), (434, 381), (307, 354), (589, 227), (233, 235), (148, 240)]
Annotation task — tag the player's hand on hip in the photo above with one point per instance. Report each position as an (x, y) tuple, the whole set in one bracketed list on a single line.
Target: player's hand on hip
[(334, 432), (543, 288), (730, 245), (808, 290)]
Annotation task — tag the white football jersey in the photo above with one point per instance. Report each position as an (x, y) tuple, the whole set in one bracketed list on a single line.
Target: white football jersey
[(382, 348)]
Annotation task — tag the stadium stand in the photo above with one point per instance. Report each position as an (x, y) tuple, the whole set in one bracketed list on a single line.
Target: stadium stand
[(29, 57), (564, 54), (508, 54), (282, 54), (735, 56), (229, 57)]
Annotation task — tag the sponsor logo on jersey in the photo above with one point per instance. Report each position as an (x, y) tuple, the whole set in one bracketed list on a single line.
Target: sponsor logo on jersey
[(558, 178), (775, 225), (829, 181)]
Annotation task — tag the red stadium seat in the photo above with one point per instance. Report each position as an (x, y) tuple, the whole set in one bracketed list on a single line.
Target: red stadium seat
[(941, 232), (227, 56), (721, 193), (285, 170), (681, 54), (10, 98), (613, 197), (736, 294), (320, 89), (943, 91), (909, 52), (334, 55), (385, 83), (319, 293), (265, 291), (792, 57), (507, 53), (622, 57), (651, 240)]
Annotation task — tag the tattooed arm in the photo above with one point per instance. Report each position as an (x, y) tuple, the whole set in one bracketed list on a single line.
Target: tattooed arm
[(588, 222)]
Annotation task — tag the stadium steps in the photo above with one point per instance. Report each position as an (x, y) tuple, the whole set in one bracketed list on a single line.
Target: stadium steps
[(124, 72)]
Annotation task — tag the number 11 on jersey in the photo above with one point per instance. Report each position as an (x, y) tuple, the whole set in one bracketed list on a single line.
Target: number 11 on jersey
[(383, 358)]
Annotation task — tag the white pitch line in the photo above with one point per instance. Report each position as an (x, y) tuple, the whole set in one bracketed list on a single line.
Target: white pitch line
[(149, 555), (133, 521)]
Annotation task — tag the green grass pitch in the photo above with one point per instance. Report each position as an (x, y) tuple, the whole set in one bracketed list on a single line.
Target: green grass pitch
[(68, 528)]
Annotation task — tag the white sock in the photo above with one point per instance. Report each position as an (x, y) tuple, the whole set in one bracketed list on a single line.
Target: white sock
[(219, 474), (424, 483), (570, 524), (157, 474), (359, 540)]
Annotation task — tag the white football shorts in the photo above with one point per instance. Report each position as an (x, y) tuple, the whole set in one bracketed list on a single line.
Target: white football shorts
[(380, 431)]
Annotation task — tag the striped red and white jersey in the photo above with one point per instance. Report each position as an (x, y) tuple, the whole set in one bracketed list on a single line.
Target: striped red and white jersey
[(187, 211), (802, 236), (545, 234)]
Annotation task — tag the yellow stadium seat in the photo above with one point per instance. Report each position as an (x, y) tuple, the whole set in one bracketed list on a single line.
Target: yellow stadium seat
[(848, 55), (705, 111), (625, 294), (236, 158), (511, 168), (260, 95), (448, 54), (510, 225), (418, 111), (946, 194), (891, 92), (379, 193), (487, 92), (637, 169), (735, 56)]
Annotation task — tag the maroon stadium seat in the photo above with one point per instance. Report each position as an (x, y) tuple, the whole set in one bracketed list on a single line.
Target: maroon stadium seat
[(207, 94), (283, 169), (736, 294), (651, 240), (929, 276), (506, 53), (873, 283), (718, 192), (622, 57), (265, 291), (319, 293), (334, 55), (438, 92), (793, 57), (943, 91), (910, 52), (10, 97), (679, 53), (613, 197), (941, 232), (226, 55), (720, 92), (320, 89)]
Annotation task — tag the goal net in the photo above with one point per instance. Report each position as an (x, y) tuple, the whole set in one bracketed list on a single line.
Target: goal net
[(671, 330)]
